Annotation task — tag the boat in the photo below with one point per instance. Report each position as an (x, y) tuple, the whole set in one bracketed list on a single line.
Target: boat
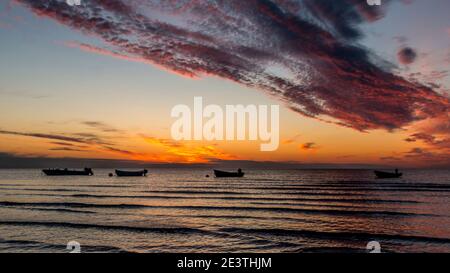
[(381, 174), (131, 173), (67, 172), (218, 173)]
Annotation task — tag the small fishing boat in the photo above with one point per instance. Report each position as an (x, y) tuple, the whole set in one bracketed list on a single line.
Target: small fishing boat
[(218, 173), (381, 174), (131, 173), (67, 172)]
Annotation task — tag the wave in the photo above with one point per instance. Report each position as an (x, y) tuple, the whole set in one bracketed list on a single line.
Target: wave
[(61, 210), (124, 196), (337, 235), (196, 192), (237, 198), (338, 187), (230, 208), (20, 244), (169, 230), (397, 184), (305, 193), (45, 190), (256, 193), (312, 205), (345, 189), (70, 204), (70, 186)]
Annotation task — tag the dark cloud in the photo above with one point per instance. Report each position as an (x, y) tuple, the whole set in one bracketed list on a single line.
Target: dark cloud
[(101, 126), (67, 146), (78, 138), (11, 160), (416, 151), (309, 146), (330, 77), (443, 143), (406, 55), (121, 151), (425, 137), (91, 138), (428, 157), (67, 149), (344, 17), (63, 144), (390, 158), (75, 142), (48, 136)]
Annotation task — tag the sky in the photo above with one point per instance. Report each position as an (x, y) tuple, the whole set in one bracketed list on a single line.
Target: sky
[(356, 84)]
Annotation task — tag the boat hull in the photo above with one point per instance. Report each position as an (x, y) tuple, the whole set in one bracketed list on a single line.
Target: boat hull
[(59, 172), (380, 174), (131, 174), (218, 173)]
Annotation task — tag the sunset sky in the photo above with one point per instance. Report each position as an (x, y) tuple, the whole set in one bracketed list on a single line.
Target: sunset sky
[(356, 84)]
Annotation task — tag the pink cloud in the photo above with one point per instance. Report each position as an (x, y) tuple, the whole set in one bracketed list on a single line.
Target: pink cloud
[(333, 78)]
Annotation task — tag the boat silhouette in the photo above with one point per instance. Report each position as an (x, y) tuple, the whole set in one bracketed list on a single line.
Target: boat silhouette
[(67, 172), (381, 174), (219, 173), (131, 173)]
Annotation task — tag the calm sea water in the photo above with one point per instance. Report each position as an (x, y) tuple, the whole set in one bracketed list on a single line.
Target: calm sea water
[(180, 210)]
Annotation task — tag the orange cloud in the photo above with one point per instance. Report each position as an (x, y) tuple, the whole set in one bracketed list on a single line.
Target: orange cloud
[(189, 152)]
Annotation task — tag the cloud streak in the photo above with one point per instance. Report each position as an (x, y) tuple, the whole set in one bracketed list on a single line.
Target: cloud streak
[(101, 126), (79, 142), (51, 137), (309, 146), (329, 76)]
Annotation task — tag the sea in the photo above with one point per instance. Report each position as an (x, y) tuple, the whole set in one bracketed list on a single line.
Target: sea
[(267, 211)]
